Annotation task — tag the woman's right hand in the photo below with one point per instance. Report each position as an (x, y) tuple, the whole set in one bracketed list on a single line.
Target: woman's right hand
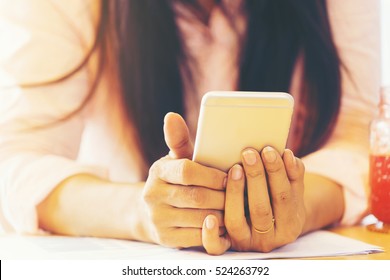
[(179, 193)]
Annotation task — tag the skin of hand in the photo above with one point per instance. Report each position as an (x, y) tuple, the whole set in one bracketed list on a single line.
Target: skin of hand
[(280, 214), (277, 213), (158, 211), (179, 193)]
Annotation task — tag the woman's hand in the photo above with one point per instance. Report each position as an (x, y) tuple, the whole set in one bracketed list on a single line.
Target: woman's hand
[(275, 198), (180, 193)]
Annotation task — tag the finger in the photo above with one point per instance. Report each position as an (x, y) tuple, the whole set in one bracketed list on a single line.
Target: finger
[(235, 220), (211, 239), (295, 170), (181, 237), (189, 218), (294, 166), (258, 197), (187, 172), (282, 197), (193, 197), (177, 136)]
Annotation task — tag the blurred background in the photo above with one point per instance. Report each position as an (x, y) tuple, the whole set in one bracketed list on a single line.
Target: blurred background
[(386, 42)]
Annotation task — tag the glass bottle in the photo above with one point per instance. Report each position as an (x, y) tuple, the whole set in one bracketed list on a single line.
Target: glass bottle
[(380, 164)]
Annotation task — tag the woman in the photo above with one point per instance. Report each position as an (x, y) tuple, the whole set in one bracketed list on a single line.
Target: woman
[(83, 126)]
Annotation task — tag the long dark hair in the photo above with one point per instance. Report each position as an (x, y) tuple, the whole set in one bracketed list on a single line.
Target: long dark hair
[(149, 52)]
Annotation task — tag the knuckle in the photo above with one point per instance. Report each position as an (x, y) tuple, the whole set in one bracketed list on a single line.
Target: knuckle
[(255, 173), (261, 210), (294, 175), (151, 193), (182, 143), (184, 171), (196, 196), (148, 195), (153, 170)]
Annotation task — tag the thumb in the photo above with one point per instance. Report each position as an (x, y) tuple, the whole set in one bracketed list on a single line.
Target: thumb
[(177, 136), (213, 242)]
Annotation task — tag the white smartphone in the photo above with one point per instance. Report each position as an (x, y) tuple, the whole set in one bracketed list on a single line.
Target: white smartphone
[(230, 121)]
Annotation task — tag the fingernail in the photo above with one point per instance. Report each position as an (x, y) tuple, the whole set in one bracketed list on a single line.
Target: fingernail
[(210, 223), (236, 172), (269, 154), (249, 157)]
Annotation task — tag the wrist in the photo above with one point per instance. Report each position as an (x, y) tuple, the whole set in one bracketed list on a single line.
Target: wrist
[(324, 202), (137, 219), (84, 205)]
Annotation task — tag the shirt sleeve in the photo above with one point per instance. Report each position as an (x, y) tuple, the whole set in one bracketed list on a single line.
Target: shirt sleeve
[(40, 42), (356, 30)]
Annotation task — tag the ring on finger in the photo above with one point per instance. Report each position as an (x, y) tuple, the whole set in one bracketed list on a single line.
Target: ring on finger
[(267, 230)]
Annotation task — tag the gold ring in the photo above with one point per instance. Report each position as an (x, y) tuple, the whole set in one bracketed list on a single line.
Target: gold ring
[(266, 231)]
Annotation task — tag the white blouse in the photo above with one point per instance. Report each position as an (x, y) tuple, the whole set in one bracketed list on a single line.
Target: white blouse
[(41, 40)]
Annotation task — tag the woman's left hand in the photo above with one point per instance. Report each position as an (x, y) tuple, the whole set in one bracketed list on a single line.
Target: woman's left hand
[(275, 200)]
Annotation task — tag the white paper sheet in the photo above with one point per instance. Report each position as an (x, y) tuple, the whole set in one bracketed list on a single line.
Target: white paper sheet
[(316, 244)]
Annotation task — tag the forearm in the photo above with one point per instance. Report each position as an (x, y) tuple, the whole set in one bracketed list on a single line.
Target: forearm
[(324, 202), (84, 205)]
